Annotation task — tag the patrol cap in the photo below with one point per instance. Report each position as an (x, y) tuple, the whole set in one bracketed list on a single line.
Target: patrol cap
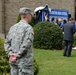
[(25, 11)]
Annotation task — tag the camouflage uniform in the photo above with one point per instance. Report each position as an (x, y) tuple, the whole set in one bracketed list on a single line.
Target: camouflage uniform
[(20, 41)]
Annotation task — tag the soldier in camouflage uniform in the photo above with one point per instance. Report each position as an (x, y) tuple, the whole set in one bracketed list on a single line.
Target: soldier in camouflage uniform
[(19, 45)]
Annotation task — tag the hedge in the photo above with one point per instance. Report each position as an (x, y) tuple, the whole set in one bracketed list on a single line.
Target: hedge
[(48, 36)]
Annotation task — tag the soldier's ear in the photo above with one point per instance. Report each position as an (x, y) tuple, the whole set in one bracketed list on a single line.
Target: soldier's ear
[(33, 33)]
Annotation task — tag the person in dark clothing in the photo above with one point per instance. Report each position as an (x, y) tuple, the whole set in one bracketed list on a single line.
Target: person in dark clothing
[(52, 20), (69, 30), (36, 18), (60, 22), (64, 22)]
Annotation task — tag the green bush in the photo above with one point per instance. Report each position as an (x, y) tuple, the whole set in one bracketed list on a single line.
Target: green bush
[(47, 36), (74, 43), (36, 67), (4, 63), (19, 18), (32, 22)]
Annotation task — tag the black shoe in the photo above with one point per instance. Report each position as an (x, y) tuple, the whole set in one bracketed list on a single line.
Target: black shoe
[(68, 55), (64, 55)]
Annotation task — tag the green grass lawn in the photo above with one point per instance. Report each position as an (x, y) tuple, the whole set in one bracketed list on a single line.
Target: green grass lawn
[(53, 62)]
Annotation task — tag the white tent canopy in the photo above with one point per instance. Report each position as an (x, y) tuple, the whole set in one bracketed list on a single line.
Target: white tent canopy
[(39, 8)]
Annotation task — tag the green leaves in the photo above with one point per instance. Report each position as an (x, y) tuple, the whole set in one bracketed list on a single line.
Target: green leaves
[(47, 36)]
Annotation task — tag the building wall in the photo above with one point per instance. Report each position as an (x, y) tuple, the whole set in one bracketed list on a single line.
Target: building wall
[(62, 4), (12, 8)]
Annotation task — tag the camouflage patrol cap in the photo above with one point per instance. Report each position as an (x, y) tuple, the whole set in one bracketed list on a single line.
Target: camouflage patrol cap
[(25, 10)]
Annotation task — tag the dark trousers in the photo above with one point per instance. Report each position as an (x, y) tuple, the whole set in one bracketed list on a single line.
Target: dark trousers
[(68, 48)]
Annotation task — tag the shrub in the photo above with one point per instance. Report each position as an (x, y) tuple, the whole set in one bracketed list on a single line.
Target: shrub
[(36, 67), (74, 43), (19, 18), (4, 64), (47, 36)]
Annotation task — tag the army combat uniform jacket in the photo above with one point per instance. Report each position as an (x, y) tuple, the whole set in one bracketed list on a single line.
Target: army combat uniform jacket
[(20, 41)]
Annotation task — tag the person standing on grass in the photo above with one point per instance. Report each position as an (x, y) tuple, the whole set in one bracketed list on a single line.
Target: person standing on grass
[(69, 30), (19, 45)]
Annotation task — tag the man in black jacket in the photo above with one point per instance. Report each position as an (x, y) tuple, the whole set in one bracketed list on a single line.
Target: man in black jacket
[(69, 30)]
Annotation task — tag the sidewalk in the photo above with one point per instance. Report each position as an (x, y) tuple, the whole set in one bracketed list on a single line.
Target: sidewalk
[(74, 48)]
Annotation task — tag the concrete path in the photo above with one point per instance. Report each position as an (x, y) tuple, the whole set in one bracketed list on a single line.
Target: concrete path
[(74, 48)]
